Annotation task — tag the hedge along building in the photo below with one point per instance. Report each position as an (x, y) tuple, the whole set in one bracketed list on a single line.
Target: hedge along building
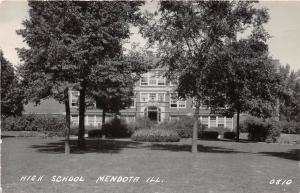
[(154, 98)]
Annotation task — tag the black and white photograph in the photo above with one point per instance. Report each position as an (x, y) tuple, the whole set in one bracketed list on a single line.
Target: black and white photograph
[(150, 96)]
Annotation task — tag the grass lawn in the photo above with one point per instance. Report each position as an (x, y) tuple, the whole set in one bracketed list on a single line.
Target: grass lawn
[(219, 166)]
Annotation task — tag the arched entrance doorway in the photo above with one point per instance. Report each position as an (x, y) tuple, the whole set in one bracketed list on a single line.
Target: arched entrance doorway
[(153, 113)]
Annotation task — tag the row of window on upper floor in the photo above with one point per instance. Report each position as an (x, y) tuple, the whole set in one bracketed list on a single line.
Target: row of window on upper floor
[(154, 79), (174, 101), (160, 97), (144, 97)]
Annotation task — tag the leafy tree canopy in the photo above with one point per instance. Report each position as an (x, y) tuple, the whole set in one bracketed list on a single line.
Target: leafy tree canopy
[(117, 78), (190, 35), (66, 39), (12, 97), (205, 44), (69, 39)]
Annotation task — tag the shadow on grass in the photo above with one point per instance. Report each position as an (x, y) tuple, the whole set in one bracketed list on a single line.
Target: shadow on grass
[(293, 154), (91, 146), (7, 136), (117, 145), (240, 140), (201, 148)]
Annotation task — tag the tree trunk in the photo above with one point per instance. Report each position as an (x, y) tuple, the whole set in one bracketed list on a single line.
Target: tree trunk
[(81, 142), (195, 128), (238, 125), (68, 121), (103, 116), (103, 122), (277, 116)]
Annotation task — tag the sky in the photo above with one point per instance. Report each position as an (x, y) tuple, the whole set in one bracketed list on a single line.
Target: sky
[(283, 26)]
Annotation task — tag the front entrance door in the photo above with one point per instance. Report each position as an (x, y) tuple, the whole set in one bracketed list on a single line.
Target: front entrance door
[(153, 113)]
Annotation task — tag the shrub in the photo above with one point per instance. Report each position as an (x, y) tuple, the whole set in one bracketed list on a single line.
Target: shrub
[(32, 122), (116, 128), (74, 131), (183, 126), (259, 130), (290, 127), (289, 139), (30, 134), (140, 123), (229, 135), (274, 130), (209, 135), (243, 127), (19, 123), (94, 133), (155, 135), (220, 130), (55, 134), (256, 129)]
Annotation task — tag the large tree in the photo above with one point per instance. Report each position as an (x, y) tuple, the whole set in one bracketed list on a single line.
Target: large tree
[(190, 35), (67, 39), (117, 78), (48, 65), (248, 82), (12, 96)]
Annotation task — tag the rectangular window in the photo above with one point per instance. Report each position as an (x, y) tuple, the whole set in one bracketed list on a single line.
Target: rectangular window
[(98, 119), (152, 96), (152, 79), (173, 105), (75, 119), (181, 104), (229, 122), (74, 98), (161, 97), (133, 99), (205, 120), (173, 100), (213, 121), (221, 122), (144, 97), (144, 80), (221, 119), (90, 120), (161, 80)]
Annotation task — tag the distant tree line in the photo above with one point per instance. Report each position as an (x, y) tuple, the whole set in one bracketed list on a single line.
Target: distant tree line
[(12, 94), (289, 103)]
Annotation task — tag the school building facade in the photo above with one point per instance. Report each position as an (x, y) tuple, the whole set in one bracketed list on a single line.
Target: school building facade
[(154, 97)]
